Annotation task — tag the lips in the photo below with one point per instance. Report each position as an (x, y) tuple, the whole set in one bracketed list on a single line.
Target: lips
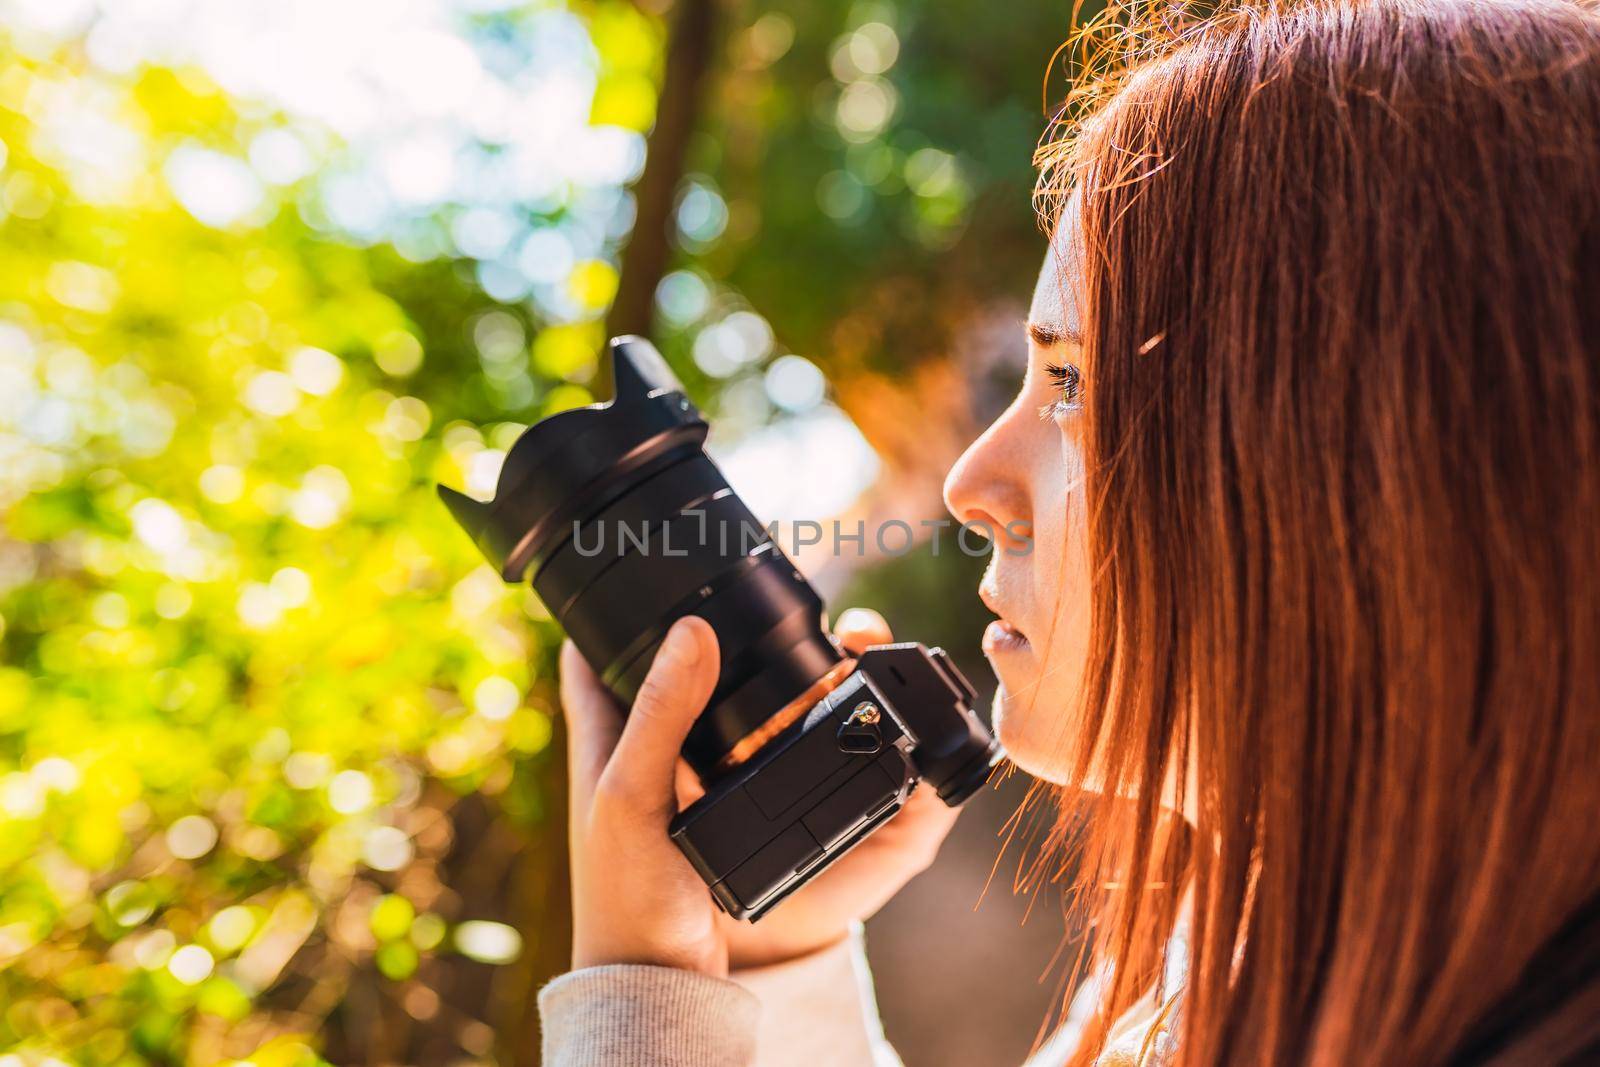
[(1002, 635)]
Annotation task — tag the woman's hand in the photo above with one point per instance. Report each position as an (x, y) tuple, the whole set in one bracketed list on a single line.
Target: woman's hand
[(636, 899)]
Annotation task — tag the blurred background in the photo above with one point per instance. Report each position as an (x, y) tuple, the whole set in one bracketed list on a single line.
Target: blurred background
[(280, 769)]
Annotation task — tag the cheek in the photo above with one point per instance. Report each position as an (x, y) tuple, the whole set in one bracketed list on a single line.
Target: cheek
[(1041, 723)]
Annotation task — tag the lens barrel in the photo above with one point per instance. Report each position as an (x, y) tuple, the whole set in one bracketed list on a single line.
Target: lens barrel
[(626, 525)]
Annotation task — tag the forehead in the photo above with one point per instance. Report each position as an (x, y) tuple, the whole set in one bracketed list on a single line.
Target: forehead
[(1055, 293)]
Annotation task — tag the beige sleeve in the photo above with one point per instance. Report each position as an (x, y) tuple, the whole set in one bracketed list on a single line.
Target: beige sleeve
[(814, 1010), (819, 1009), (628, 1015)]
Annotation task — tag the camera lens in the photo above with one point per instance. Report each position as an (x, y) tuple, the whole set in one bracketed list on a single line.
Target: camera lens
[(625, 525)]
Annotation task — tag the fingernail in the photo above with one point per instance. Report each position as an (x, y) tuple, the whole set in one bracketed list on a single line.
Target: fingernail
[(857, 619), (681, 648)]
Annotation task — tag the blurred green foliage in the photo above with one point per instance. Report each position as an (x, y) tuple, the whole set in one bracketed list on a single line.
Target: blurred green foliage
[(275, 744), (887, 150), (250, 666)]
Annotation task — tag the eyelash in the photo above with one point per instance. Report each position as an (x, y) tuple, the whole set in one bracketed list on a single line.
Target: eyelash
[(1069, 380)]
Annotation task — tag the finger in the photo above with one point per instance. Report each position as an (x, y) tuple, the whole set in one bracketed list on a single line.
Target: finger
[(594, 723), (643, 768), (897, 851), (862, 881), (859, 628), (687, 785), (922, 824)]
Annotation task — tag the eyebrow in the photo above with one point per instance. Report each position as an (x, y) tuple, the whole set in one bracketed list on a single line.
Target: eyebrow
[(1045, 335)]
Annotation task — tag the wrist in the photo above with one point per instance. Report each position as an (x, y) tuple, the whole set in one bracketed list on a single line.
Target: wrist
[(783, 947), (708, 961)]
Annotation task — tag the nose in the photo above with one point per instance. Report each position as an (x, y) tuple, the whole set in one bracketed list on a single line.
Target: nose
[(987, 485)]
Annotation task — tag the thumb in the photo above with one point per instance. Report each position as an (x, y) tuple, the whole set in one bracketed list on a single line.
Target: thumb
[(642, 769)]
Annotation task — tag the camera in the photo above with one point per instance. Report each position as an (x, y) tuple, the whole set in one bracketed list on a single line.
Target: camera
[(623, 524)]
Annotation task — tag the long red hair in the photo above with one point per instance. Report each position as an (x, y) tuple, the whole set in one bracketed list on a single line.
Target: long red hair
[(1341, 310)]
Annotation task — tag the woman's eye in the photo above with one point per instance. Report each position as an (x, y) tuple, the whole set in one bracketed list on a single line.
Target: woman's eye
[(1067, 381)]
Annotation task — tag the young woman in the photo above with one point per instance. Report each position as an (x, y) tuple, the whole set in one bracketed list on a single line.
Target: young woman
[(1309, 449)]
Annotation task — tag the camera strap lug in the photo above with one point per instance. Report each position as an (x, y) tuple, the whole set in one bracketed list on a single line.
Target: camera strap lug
[(859, 733)]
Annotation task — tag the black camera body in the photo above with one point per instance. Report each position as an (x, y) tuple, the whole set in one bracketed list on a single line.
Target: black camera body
[(823, 785), (802, 750)]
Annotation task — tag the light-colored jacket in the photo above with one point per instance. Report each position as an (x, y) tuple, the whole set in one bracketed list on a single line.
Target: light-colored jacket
[(818, 1009)]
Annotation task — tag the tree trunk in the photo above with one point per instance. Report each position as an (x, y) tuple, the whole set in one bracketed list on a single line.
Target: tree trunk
[(690, 51)]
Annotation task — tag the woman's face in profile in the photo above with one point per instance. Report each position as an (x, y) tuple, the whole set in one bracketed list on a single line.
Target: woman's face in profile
[(1024, 479)]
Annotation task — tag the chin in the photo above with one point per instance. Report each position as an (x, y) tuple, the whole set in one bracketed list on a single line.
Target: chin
[(1038, 738), (1033, 736)]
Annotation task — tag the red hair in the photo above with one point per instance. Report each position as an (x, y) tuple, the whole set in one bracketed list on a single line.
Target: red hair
[(1341, 311)]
